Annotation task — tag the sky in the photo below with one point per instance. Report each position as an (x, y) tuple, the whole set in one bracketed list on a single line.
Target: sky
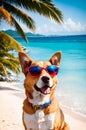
[(74, 20)]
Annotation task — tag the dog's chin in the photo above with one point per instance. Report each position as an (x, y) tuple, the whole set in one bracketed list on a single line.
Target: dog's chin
[(44, 90)]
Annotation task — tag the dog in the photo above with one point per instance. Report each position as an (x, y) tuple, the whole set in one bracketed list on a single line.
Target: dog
[(41, 110)]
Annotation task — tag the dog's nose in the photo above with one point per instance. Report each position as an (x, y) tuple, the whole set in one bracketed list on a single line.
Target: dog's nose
[(45, 79)]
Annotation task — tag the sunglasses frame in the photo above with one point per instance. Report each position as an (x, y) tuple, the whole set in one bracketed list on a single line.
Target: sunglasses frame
[(42, 68)]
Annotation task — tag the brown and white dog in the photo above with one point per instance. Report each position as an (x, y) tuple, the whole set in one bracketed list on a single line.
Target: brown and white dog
[(41, 109)]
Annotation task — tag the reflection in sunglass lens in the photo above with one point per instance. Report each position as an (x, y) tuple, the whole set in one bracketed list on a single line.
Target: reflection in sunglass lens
[(53, 70), (35, 70)]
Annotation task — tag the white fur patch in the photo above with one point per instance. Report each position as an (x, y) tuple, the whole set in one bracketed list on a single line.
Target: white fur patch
[(41, 62), (39, 99), (39, 121)]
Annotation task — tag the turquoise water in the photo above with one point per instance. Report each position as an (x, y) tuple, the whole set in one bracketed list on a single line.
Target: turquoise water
[(71, 90)]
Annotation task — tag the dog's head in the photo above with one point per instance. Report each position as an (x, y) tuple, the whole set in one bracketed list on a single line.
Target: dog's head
[(40, 76)]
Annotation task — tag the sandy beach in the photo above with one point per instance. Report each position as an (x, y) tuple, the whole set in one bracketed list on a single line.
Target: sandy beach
[(11, 100)]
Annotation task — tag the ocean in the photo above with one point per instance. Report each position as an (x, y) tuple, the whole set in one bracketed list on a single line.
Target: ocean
[(71, 90)]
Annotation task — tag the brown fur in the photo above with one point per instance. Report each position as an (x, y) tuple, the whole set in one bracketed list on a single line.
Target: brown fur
[(59, 123)]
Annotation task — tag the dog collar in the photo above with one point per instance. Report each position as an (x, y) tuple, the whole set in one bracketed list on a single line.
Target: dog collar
[(41, 106), (46, 104)]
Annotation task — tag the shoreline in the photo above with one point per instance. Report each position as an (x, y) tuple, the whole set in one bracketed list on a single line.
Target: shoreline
[(73, 114), (11, 100)]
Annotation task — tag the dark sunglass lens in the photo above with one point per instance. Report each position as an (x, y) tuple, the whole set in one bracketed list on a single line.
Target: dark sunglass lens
[(35, 70), (53, 70)]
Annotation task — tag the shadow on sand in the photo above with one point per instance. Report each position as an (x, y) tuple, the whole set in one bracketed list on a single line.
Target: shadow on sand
[(8, 88)]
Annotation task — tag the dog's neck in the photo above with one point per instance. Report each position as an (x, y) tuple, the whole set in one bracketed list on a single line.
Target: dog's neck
[(41, 106)]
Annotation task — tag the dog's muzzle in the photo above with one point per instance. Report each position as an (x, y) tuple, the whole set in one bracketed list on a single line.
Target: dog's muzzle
[(44, 85)]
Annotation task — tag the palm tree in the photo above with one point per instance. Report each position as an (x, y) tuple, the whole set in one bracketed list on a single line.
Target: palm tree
[(7, 60), (10, 10)]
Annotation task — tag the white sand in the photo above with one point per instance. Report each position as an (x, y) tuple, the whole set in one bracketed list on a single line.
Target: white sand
[(11, 100)]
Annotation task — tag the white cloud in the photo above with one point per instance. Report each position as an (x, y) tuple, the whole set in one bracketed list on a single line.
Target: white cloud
[(68, 27)]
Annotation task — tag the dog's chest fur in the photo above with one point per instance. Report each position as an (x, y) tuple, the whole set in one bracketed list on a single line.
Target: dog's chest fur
[(39, 121)]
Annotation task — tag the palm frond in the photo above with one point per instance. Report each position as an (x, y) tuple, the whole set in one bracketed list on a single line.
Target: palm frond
[(3, 69), (44, 7), (10, 65), (12, 21), (18, 28), (16, 63), (21, 15), (6, 54), (4, 14), (8, 41), (7, 60)]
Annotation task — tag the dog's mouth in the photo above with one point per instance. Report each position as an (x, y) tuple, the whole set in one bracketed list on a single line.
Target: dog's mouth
[(45, 89)]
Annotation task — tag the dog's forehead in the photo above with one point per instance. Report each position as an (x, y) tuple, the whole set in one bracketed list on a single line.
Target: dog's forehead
[(41, 63)]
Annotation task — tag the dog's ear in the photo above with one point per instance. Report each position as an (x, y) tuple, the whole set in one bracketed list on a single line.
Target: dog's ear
[(56, 58), (25, 61)]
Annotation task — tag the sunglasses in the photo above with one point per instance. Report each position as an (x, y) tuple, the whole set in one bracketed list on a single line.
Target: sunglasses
[(36, 70)]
